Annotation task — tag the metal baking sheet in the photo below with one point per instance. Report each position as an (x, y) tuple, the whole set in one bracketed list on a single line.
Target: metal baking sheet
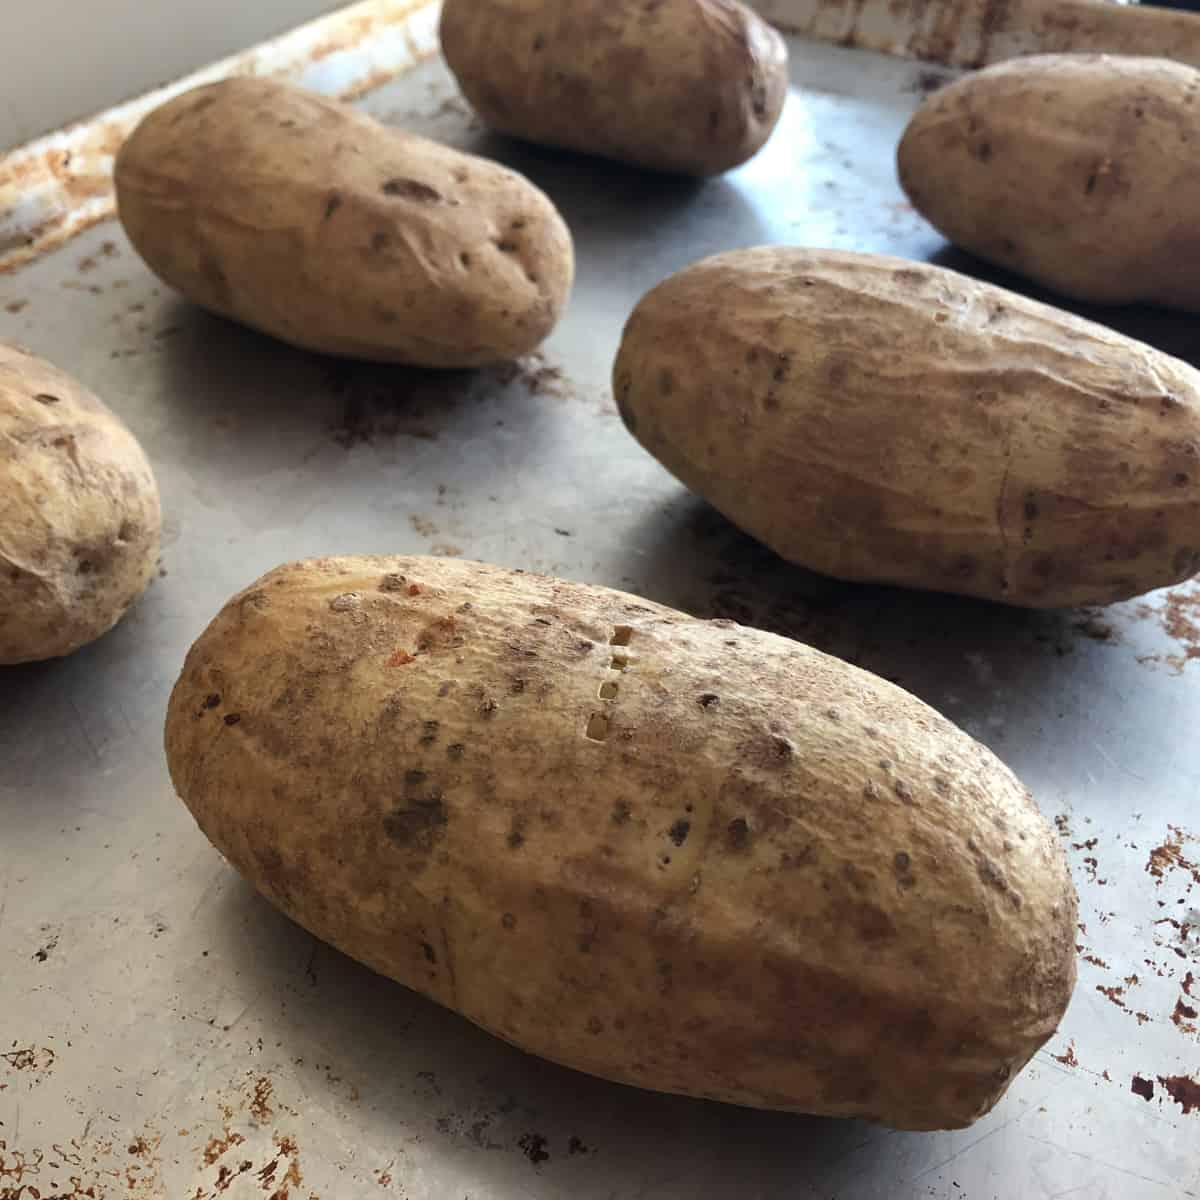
[(165, 1033)]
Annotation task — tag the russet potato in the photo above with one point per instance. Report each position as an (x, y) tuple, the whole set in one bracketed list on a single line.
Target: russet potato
[(694, 87), (1076, 170), (892, 422), (680, 854), (79, 512), (308, 220)]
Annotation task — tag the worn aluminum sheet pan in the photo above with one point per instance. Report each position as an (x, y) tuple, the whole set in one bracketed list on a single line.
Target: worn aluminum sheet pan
[(972, 33), (165, 1033)]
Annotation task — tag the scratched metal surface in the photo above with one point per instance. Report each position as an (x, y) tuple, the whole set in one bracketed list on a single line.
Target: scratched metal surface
[(165, 1033)]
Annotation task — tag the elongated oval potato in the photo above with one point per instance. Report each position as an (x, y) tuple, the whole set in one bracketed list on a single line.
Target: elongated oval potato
[(310, 221), (79, 513), (688, 86), (680, 854), (1077, 170), (888, 421)]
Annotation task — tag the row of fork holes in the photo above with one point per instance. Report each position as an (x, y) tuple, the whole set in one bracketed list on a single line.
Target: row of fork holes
[(599, 722)]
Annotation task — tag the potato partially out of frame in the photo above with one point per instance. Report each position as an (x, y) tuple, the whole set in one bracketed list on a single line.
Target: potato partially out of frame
[(892, 422), (1076, 170), (79, 512), (694, 87)]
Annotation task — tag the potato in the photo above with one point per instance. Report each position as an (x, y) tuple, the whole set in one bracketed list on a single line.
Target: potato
[(306, 219), (892, 422), (680, 854), (79, 513), (1076, 170), (688, 86)]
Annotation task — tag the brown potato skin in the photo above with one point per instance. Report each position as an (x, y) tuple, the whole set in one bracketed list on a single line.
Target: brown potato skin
[(779, 881), (693, 87), (892, 422), (304, 218), (79, 513), (1076, 170)]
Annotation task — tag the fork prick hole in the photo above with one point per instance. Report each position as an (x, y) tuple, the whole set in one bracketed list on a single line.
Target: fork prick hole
[(597, 727), (621, 636), (608, 691)]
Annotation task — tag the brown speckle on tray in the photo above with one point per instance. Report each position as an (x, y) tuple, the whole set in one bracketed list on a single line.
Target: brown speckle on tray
[(1183, 1090)]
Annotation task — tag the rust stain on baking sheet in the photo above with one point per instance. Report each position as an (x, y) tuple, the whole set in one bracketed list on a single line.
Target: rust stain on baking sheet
[(1184, 1017), (32, 1059), (1169, 857), (1184, 1091), (58, 186), (217, 1146), (1178, 615), (96, 1168), (246, 1159), (1067, 1058), (260, 1104)]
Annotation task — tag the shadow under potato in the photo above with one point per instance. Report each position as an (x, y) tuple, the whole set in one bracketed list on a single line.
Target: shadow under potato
[(1165, 329), (706, 566), (222, 375)]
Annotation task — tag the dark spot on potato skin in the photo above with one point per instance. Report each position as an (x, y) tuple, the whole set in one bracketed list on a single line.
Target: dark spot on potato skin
[(679, 831), (418, 825), (779, 750), (516, 835), (233, 719), (508, 921), (332, 204), (621, 812), (738, 833), (430, 953), (873, 924)]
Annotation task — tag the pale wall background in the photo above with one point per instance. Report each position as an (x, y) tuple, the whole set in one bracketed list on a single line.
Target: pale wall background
[(64, 59)]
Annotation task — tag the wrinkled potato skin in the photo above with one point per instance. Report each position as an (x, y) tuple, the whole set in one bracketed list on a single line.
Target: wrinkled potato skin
[(79, 513), (892, 422), (693, 87), (1078, 171), (778, 881), (310, 221)]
